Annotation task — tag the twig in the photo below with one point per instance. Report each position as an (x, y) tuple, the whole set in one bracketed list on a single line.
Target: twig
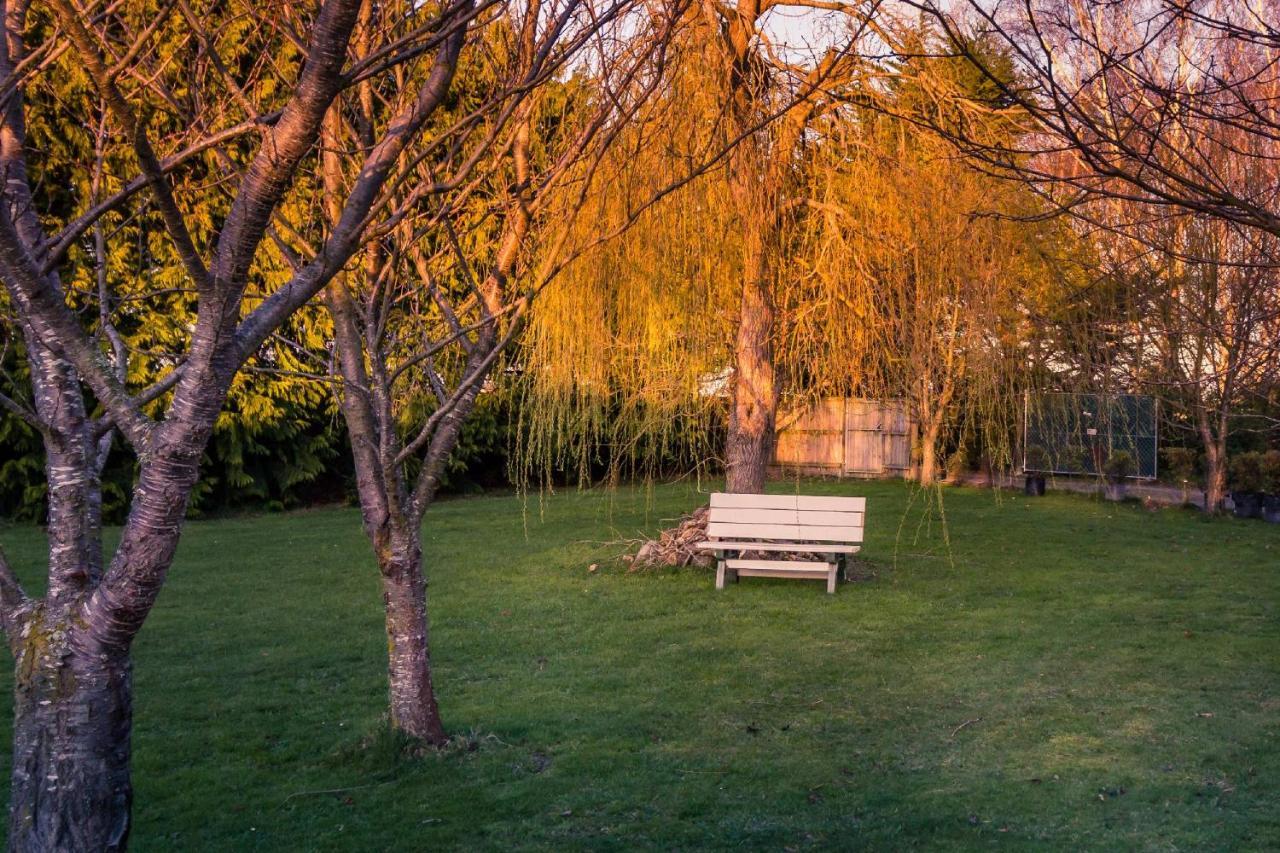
[(957, 729), (336, 790)]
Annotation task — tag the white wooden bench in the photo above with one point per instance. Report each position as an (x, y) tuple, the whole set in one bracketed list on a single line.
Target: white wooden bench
[(829, 527)]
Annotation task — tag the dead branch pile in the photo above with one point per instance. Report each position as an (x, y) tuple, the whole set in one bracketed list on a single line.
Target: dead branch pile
[(675, 545)]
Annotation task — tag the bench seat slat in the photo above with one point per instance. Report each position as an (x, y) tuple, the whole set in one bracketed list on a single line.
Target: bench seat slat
[(803, 502), (829, 518), (747, 545), (795, 532)]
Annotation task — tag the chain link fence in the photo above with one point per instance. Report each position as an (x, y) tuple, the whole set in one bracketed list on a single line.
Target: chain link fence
[(1071, 433)]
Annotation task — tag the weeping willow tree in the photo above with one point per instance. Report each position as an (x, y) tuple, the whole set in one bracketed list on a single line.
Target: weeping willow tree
[(657, 339), (626, 358), (916, 274), (895, 271)]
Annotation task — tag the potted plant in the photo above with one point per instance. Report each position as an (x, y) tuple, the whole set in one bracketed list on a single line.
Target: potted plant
[(1271, 486), (1118, 466), (1180, 462), (1036, 462), (1246, 484)]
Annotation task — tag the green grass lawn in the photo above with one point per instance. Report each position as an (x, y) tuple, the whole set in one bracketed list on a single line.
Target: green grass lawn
[(1073, 675)]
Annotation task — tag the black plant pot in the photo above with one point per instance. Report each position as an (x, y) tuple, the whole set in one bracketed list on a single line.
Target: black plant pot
[(1114, 491), (1247, 504), (1034, 486), (1271, 508)]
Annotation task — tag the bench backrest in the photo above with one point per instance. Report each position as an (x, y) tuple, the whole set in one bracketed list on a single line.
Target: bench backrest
[(791, 518)]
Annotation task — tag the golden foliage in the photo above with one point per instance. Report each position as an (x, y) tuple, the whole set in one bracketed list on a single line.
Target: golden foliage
[(902, 273)]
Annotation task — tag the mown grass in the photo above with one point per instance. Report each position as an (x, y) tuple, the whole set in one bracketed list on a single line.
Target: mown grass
[(1072, 675)]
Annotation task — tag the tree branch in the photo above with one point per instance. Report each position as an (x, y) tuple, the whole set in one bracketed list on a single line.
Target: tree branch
[(86, 44)]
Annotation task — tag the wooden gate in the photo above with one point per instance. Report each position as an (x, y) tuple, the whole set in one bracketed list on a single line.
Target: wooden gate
[(842, 436)]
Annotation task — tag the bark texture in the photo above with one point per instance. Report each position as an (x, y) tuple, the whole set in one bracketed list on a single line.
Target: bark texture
[(71, 787), (749, 443), (414, 710), (929, 455)]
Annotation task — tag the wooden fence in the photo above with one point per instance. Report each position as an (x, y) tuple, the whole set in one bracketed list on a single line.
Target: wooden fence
[(838, 435)]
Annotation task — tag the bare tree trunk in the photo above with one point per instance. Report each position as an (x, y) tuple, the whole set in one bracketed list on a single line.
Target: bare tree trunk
[(928, 471), (749, 443), (391, 503), (1215, 473), (931, 410), (396, 540), (413, 701), (70, 786), (1215, 457)]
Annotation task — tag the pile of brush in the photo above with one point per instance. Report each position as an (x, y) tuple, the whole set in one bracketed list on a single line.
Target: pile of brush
[(676, 546)]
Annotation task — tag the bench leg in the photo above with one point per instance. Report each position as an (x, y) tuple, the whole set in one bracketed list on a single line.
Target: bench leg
[(720, 574), (832, 568)]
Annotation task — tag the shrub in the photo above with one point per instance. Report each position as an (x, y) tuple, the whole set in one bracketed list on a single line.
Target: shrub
[(1036, 459), (1271, 472), (1246, 472), (1180, 463), (1118, 466), (1074, 459)]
